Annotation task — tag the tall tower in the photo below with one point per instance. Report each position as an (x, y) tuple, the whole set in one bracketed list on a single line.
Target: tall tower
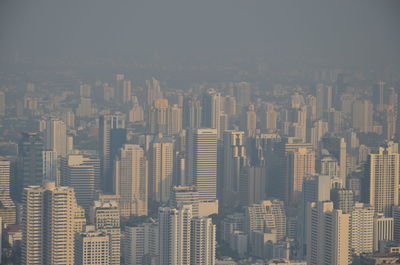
[(108, 122), (159, 116), (131, 180), (301, 163), (106, 218), (161, 168), (361, 229), (175, 235), (382, 180), (7, 206), (50, 219), (234, 160), (211, 110), (81, 172), (30, 161), (2, 103), (140, 241), (92, 247), (328, 237), (56, 136), (191, 113), (202, 162), (203, 242), (51, 170)]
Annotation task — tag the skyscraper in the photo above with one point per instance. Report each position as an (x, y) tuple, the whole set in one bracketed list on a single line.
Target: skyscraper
[(185, 195), (202, 162), (92, 247), (361, 229), (234, 160), (211, 110), (328, 236), (382, 180), (7, 206), (130, 172), (2, 103), (30, 161), (191, 113), (106, 123), (51, 170), (383, 229), (81, 172), (106, 218), (161, 168), (140, 241), (56, 136), (50, 219), (175, 235), (203, 241)]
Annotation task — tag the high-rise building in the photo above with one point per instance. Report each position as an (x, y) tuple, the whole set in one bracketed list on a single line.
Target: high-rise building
[(266, 215), (382, 179), (191, 113), (30, 161), (161, 166), (92, 247), (252, 186), (361, 229), (174, 119), (50, 219), (383, 229), (396, 223), (328, 236), (251, 121), (342, 199), (159, 116), (107, 122), (211, 110), (234, 160), (51, 171), (301, 163), (140, 241), (7, 206), (203, 241), (269, 119), (106, 218), (202, 162), (2, 103), (55, 137), (175, 235), (362, 115), (81, 172), (185, 195), (131, 180)]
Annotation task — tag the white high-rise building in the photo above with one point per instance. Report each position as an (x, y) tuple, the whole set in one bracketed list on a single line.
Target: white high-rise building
[(361, 229), (161, 168), (50, 219), (202, 162), (140, 241), (185, 195), (383, 229), (7, 206), (175, 235), (130, 173), (92, 247), (105, 216), (383, 179), (328, 236), (203, 242), (56, 136)]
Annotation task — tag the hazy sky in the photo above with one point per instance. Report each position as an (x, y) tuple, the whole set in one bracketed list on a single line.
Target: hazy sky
[(336, 30)]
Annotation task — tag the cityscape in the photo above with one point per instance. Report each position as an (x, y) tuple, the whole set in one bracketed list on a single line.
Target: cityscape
[(137, 151)]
